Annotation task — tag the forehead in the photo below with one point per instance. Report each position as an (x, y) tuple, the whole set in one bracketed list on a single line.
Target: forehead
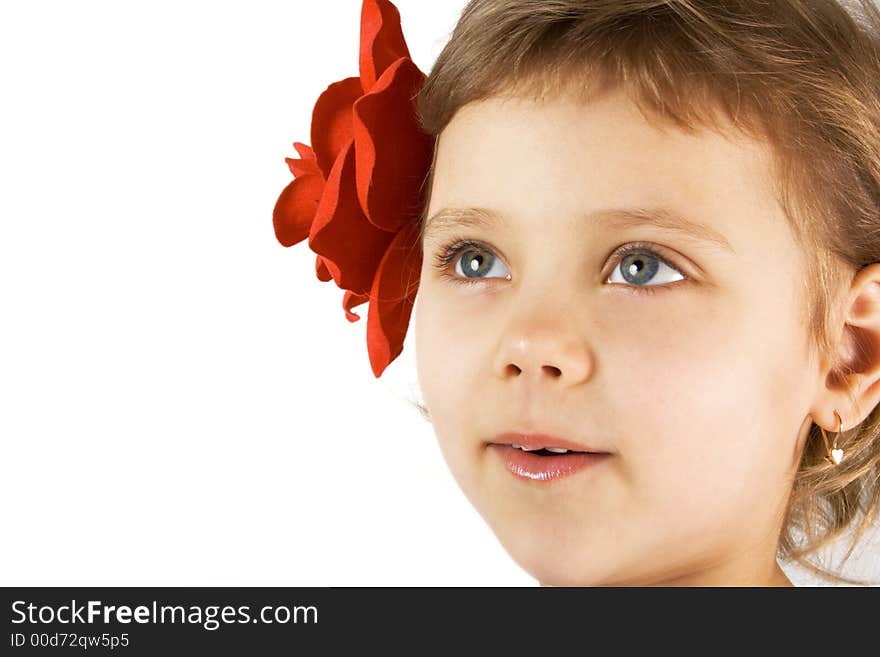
[(561, 160)]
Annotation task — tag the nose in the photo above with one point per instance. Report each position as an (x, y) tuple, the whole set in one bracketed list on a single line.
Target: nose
[(543, 350)]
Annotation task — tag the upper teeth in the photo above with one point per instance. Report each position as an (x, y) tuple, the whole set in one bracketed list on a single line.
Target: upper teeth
[(558, 450)]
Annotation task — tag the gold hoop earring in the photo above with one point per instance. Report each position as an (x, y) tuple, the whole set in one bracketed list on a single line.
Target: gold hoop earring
[(835, 454)]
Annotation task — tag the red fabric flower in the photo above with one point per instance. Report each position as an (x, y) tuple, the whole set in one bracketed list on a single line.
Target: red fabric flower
[(357, 192)]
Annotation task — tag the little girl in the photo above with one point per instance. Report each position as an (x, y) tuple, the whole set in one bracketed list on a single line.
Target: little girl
[(646, 247)]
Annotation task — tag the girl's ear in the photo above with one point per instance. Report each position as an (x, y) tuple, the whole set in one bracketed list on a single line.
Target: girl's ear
[(852, 385)]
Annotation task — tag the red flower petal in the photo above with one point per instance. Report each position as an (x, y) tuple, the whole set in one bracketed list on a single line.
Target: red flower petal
[(393, 154), (305, 163), (296, 207), (350, 245), (331, 121), (305, 152), (302, 167), (350, 300), (321, 270), (392, 298), (382, 41)]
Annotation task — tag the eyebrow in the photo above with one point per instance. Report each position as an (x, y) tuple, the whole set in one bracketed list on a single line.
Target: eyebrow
[(620, 218)]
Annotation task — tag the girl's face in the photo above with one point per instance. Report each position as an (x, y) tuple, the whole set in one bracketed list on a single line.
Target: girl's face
[(685, 359)]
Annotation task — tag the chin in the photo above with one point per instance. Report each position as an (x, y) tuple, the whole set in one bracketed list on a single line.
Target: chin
[(557, 561), (563, 574)]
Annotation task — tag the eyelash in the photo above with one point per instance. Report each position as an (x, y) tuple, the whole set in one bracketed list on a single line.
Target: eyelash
[(455, 247)]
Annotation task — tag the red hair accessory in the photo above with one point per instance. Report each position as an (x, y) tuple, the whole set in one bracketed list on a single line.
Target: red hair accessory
[(357, 192)]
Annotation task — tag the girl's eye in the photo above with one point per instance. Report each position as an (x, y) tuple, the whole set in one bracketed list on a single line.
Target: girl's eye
[(640, 266), (476, 263)]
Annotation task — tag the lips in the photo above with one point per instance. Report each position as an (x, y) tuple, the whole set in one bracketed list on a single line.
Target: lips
[(543, 457), (534, 467), (537, 441)]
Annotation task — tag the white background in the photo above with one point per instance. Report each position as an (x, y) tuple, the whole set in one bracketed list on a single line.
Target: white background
[(182, 402)]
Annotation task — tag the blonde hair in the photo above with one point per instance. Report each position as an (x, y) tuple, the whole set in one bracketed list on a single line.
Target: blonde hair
[(801, 75)]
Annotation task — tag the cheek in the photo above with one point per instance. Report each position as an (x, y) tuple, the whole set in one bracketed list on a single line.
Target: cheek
[(451, 359), (696, 393), (676, 384), (439, 355), (452, 328)]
